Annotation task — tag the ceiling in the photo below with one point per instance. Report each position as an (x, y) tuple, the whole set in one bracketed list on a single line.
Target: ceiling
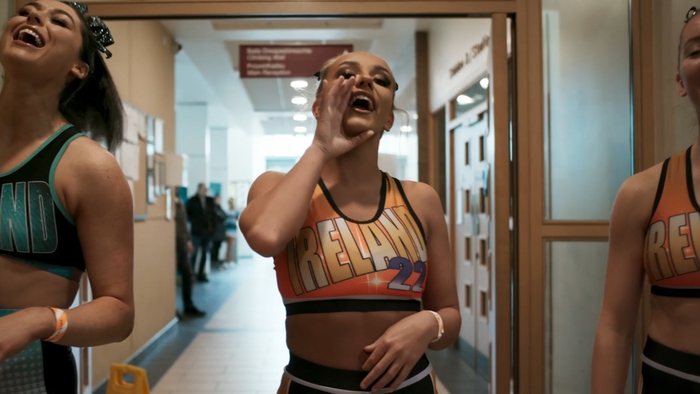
[(207, 66)]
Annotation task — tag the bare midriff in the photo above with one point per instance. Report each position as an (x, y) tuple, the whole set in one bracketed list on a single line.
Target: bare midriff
[(338, 339), (23, 286), (675, 322)]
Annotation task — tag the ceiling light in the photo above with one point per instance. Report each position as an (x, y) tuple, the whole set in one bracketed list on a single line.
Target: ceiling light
[(415, 116), (300, 129), (298, 100), (299, 84), (463, 99), (300, 117), (406, 129), (484, 82)]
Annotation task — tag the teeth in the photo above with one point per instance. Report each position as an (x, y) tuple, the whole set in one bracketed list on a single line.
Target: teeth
[(37, 38), (363, 97)]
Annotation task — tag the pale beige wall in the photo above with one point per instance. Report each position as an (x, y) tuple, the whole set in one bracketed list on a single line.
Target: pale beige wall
[(143, 67), (675, 119)]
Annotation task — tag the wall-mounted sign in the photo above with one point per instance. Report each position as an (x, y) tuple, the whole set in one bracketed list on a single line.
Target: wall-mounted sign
[(286, 61), (476, 50)]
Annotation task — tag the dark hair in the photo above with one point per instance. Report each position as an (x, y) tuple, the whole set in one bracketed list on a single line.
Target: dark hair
[(92, 103), (321, 75)]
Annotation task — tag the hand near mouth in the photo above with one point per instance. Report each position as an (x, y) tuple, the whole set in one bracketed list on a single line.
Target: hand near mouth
[(329, 136)]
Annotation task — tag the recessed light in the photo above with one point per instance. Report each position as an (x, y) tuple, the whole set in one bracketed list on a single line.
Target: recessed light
[(484, 82), (406, 129), (300, 129), (298, 100), (299, 117), (299, 84), (415, 116), (463, 99)]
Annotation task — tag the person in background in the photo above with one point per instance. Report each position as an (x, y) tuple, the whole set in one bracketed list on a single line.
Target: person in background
[(219, 233), (183, 247), (200, 213), (231, 230)]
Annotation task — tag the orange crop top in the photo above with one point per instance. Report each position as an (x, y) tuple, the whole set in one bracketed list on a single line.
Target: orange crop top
[(671, 260), (337, 264)]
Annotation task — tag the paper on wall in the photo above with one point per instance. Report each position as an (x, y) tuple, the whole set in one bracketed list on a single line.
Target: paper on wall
[(130, 160), (134, 123)]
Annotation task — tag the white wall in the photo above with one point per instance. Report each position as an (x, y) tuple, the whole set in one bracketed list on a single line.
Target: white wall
[(449, 40), (193, 139), (218, 162)]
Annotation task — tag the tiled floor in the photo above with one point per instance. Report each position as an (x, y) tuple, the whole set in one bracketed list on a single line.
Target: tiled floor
[(241, 348)]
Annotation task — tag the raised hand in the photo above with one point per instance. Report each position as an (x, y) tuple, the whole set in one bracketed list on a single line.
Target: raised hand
[(329, 136)]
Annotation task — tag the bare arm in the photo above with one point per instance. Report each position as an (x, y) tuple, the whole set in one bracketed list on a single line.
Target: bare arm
[(440, 293), (623, 284), (98, 197), (278, 204)]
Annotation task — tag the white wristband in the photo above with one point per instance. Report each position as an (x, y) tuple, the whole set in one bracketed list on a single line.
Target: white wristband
[(441, 327)]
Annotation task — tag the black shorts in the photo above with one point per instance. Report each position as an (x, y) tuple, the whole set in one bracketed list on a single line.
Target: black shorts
[(41, 368), (304, 377), (669, 371)]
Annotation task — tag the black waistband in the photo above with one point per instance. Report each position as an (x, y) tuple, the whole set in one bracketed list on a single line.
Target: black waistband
[(671, 358), (338, 378), (352, 305), (676, 292)]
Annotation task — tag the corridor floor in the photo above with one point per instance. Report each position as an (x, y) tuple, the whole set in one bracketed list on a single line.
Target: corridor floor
[(239, 347)]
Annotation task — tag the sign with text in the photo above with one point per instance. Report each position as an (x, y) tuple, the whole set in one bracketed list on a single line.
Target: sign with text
[(286, 61), (473, 52)]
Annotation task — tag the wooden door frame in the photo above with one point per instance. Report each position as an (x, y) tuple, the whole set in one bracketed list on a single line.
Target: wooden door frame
[(530, 227), (499, 10)]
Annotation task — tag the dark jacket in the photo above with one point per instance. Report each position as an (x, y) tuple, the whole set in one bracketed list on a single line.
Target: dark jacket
[(219, 224), (182, 234), (201, 218)]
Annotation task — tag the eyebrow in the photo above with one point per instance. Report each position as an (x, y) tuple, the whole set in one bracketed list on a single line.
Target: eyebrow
[(356, 64), (42, 7)]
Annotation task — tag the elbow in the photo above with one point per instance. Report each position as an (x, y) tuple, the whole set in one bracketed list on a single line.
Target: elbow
[(264, 242), (126, 325)]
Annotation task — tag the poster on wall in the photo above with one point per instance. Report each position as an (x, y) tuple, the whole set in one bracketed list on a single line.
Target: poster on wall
[(129, 160), (134, 123), (239, 191), (158, 137)]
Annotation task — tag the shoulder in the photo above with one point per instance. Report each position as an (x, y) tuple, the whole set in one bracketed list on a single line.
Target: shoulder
[(642, 185), (420, 194), (634, 202), (89, 175), (425, 203), (89, 161)]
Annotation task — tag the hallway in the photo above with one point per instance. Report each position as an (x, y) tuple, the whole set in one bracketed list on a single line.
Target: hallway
[(239, 346)]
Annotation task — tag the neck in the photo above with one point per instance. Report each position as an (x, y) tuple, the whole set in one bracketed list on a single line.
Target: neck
[(355, 168), (28, 111)]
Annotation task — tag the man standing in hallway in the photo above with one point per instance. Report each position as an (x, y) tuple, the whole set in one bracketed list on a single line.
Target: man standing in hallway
[(200, 212), (183, 247)]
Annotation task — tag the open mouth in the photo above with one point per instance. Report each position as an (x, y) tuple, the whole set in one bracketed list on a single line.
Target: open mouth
[(30, 37), (362, 103)]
